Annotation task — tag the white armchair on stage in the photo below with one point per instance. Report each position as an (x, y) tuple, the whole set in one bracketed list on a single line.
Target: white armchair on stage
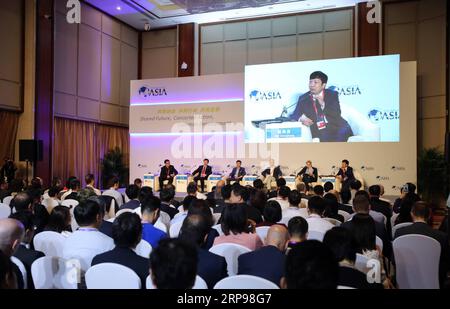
[(363, 129)]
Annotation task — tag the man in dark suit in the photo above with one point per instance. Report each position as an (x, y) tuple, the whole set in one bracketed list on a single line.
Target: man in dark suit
[(11, 235), (308, 173), (420, 213), (345, 175), (211, 267), (376, 204), (267, 262), (319, 109), (237, 173), (166, 195), (127, 233), (202, 173), (132, 191), (25, 254), (168, 172)]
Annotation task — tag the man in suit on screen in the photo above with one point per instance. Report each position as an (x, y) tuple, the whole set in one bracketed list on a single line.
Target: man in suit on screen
[(320, 110)]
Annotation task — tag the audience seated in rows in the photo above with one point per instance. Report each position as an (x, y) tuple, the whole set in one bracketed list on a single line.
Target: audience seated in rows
[(59, 221), (11, 235), (272, 214), (298, 231), (332, 207), (166, 195), (150, 208), (316, 208), (294, 209), (282, 197)]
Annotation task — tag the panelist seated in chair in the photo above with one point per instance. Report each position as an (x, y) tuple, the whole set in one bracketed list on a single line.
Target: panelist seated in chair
[(308, 173), (320, 110), (168, 173), (272, 173), (202, 173), (237, 173)]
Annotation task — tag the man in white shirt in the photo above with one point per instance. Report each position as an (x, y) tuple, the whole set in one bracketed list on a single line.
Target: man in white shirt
[(293, 210), (90, 183), (113, 184), (87, 241), (282, 197), (316, 207)]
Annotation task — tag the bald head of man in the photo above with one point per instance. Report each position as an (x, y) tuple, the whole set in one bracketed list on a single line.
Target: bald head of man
[(277, 236), (11, 234)]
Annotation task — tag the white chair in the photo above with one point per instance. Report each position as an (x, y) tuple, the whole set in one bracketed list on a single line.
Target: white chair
[(164, 217), (22, 269), (50, 203), (393, 218), (262, 232), (70, 203), (112, 276), (230, 252), (333, 221), (161, 226), (363, 130), (218, 228), (51, 272), (398, 226), (344, 287), (379, 243), (344, 214), (143, 249), (315, 235), (123, 211), (7, 200), (199, 283), (245, 282), (417, 261), (50, 243), (175, 229), (138, 211), (216, 217), (5, 211)]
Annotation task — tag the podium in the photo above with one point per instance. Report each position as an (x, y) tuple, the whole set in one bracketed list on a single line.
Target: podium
[(247, 180), (287, 132), (331, 178), (212, 181), (149, 181), (290, 182), (181, 181)]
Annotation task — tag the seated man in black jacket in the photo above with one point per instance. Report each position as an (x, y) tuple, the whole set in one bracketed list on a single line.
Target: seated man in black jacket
[(127, 233)]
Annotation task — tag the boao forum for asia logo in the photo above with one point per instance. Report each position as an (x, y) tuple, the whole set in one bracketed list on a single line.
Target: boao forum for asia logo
[(147, 92), (264, 96)]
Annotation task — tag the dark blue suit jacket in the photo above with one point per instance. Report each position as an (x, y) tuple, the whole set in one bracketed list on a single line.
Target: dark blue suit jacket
[(240, 173), (267, 262), (132, 204), (211, 267), (125, 257), (332, 112)]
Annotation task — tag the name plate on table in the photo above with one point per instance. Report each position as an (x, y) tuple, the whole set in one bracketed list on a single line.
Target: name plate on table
[(149, 180), (287, 132), (182, 177), (248, 180), (215, 178), (328, 178)]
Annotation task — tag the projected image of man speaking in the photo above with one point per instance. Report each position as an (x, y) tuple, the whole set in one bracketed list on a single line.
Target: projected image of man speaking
[(320, 110)]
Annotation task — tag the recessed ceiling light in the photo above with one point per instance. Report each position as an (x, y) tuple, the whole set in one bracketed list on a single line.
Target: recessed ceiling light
[(118, 8)]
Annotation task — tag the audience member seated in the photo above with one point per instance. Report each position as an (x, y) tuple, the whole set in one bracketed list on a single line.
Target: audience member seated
[(24, 253), (173, 265), (236, 228), (361, 206), (192, 190), (258, 184), (318, 190), (200, 207), (60, 221), (11, 235), (355, 186), (127, 233), (298, 231), (66, 190), (40, 218), (75, 186), (226, 195), (87, 241), (4, 192), (281, 182), (339, 240), (378, 205), (377, 216), (113, 184), (105, 226), (132, 191), (21, 201), (150, 208), (256, 263), (328, 186), (52, 199), (316, 208), (332, 207), (166, 195), (240, 195), (282, 197), (405, 207), (90, 184), (310, 265), (258, 199), (210, 267), (183, 209), (345, 205), (293, 210), (421, 214), (303, 190), (407, 188), (272, 214), (138, 182), (8, 278)]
